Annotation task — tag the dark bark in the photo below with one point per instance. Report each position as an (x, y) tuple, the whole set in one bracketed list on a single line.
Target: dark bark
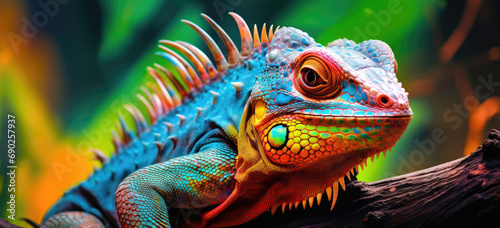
[(461, 193)]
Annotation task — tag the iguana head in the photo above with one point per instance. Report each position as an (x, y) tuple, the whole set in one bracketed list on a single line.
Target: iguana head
[(314, 114)]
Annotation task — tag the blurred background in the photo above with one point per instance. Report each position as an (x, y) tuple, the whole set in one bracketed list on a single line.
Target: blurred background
[(67, 67)]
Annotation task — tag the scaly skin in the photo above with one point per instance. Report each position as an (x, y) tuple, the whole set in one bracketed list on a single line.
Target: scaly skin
[(297, 119)]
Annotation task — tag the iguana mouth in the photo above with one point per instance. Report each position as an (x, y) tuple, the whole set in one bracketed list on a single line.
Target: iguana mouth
[(328, 148)]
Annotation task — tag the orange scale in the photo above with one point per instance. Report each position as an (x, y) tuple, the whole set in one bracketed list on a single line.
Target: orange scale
[(280, 152), (345, 143), (330, 141), (275, 156), (318, 154), (284, 158), (322, 149), (329, 147), (322, 142), (304, 153)]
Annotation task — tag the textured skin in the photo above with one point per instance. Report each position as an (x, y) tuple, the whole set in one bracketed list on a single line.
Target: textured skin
[(73, 219), (207, 179), (300, 118)]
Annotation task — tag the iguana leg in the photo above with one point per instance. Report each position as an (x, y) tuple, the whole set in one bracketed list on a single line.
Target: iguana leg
[(72, 219), (194, 181)]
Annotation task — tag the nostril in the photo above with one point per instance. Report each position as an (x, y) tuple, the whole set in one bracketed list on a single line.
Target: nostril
[(384, 101)]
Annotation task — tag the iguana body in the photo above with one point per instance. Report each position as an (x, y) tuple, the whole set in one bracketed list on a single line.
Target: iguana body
[(277, 125)]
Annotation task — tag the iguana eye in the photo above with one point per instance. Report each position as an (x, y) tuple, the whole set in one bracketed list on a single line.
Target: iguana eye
[(310, 77), (317, 78)]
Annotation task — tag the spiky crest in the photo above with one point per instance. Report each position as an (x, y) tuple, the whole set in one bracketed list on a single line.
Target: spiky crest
[(170, 89)]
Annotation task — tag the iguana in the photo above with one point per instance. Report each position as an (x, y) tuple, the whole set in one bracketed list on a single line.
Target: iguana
[(277, 125)]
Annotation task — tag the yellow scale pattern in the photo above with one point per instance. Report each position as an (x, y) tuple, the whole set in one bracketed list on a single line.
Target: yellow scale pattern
[(312, 138)]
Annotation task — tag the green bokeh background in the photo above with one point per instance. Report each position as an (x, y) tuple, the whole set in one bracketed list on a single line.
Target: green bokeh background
[(104, 47)]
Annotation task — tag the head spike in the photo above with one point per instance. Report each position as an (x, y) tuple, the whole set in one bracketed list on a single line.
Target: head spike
[(157, 136), (283, 207), (174, 140), (238, 86), (127, 134), (256, 40), (200, 68), (169, 126), (216, 97), (233, 55), (277, 29), (165, 95), (151, 111), (304, 204), (155, 103), (162, 106), (183, 78), (271, 34), (117, 143), (263, 35), (296, 204), (199, 111), (245, 34), (161, 152), (138, 118), (159, 145), (212, 72), (182, 119), (99, 155), (191, 72), (220, 60), (177, 91)]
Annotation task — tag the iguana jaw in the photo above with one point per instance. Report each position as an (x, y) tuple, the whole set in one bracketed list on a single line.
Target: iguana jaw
[(262, 184)]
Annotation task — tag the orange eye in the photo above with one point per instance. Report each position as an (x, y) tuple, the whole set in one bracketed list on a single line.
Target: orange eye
[(316, 78)]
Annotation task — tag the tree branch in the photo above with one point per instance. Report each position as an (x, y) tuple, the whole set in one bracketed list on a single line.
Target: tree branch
[(461, 193)]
